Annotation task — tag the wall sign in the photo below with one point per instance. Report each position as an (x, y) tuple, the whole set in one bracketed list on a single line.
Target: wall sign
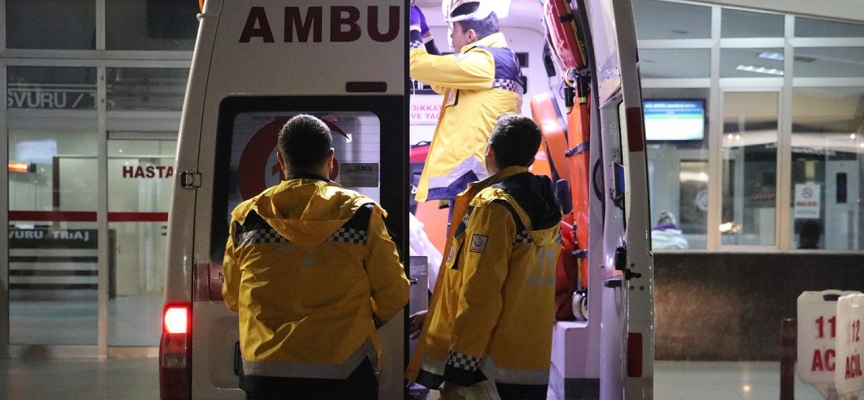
[(807, 200)]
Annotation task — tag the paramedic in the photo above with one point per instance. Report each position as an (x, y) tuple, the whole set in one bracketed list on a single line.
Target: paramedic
[(482, 81), (312, 272), (491, 314)]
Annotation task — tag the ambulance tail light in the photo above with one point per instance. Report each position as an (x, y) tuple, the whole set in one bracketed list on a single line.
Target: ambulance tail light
[(634, 355), (175, 352)]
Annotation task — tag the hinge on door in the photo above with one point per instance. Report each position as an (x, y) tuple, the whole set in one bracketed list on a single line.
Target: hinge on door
[(621, 263), (190, 180)]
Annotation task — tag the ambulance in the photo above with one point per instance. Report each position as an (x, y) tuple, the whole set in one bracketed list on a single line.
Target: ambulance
[(258, 63)]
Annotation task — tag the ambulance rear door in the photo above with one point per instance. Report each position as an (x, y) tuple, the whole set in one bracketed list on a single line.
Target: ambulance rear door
[(341, 60), (620, 245)]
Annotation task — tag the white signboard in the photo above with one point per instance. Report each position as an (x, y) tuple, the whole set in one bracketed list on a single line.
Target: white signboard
[(817, 330), (425, 108), (807, 201), (850, 312)]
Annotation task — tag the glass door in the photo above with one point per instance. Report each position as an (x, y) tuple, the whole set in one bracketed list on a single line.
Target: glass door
[(140, 175)]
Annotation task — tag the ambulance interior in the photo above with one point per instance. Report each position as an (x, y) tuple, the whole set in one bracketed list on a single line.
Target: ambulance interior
[(521, 23)]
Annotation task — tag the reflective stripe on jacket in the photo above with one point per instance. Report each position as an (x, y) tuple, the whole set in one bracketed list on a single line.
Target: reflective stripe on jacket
[(309, 267), (492, 311), (479, 84)]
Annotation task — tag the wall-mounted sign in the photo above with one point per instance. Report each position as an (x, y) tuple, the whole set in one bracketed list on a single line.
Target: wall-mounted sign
[(51, 96), (807, 200)]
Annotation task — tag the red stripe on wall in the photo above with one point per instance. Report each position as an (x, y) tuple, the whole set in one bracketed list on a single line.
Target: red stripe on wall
[(86, 216)]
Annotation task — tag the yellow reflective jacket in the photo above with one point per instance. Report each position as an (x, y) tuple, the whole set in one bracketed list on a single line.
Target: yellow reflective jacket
[(311, 270), (479, 84), (492, 310)]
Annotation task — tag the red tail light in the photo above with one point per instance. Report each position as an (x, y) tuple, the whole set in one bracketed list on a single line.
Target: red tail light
[(175, 352), (634, 355)]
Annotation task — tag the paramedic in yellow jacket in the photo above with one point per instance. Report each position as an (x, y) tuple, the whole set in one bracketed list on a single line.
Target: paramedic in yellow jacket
[(312, 271), (491, 312), (479, 83)]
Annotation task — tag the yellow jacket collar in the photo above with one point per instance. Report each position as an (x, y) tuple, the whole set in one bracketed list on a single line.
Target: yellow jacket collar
[(499, 176), (493, 40)]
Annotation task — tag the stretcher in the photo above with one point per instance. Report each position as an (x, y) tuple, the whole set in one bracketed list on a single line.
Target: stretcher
[(566, 143)]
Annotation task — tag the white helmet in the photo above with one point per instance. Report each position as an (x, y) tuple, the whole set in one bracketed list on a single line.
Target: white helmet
[(480, 10)]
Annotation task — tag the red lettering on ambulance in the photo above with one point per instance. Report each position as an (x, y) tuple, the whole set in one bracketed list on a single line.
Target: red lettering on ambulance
[(338, 21), (257, 16), (392, 25), (311, 24)]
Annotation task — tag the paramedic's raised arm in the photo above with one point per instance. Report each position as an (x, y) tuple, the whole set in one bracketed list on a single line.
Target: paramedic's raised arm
[(386, 274), (474, 70), (231, 273), (426, 35)]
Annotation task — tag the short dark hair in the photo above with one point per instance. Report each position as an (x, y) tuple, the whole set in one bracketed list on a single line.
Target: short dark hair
[(304, 142), (482, 27), (516, 139)]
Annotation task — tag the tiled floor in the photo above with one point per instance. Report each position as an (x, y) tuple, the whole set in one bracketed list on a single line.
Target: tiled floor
[(135, 379), (132, 321), (127, 379)]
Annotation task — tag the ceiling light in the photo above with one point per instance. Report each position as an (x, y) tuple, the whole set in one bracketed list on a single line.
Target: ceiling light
[(771, 56), (760, 70)]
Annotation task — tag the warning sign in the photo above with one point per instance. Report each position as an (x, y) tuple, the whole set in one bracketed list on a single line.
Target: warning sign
[(807, 200), (359, 175), (425, 109)]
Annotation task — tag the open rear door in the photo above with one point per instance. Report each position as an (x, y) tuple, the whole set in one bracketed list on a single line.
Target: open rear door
[(620, 226), (343, 61)]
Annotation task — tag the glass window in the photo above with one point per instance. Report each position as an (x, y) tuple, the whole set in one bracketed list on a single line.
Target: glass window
[(749, 168), (829, 62), (827, 167), (150, 24), (751, 63), (53, 255), (51, 88), (748, 24), (246, 151), (51, 24), (675, 63), (808, 27), (666, 20), (146, 89), (678, 169)]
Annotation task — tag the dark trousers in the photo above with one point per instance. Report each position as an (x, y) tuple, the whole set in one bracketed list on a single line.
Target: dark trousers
[(521, 392), (360, 385)]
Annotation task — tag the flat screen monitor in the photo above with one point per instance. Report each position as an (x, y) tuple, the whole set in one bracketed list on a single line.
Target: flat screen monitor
[(674, 120)]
